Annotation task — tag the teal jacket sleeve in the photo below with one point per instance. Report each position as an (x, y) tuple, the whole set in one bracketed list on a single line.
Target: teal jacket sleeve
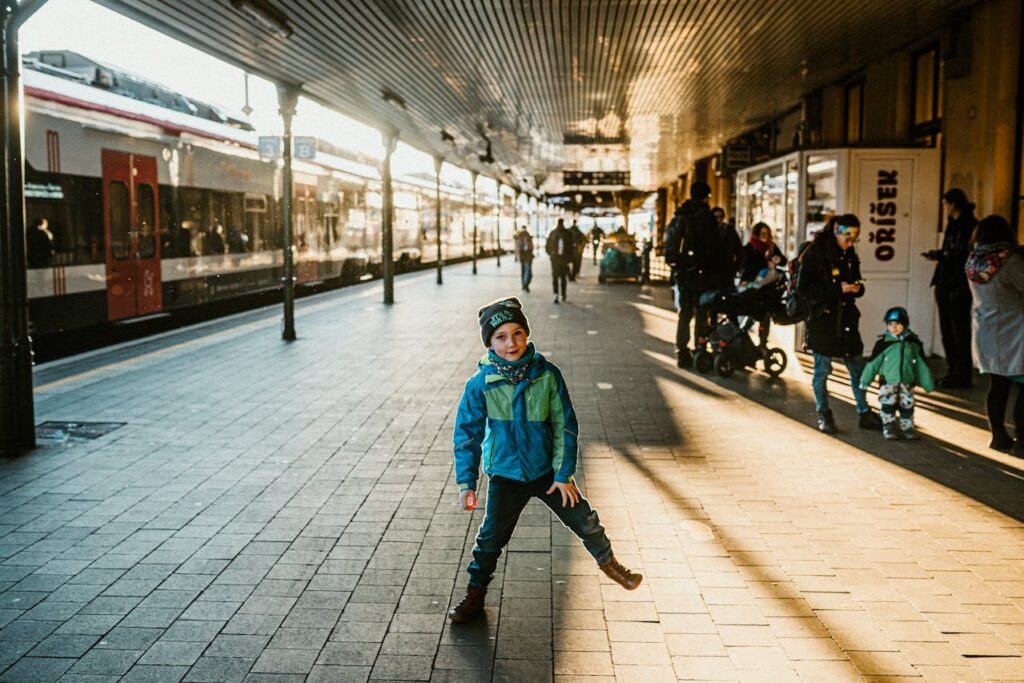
[(871, 370), (565, 430), (468, 436), (924, 378)]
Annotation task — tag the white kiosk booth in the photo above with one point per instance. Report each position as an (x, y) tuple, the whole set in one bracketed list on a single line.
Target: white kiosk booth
[(894, 192)]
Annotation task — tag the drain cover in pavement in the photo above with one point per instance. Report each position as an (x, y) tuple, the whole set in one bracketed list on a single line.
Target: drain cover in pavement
[(62, 431)]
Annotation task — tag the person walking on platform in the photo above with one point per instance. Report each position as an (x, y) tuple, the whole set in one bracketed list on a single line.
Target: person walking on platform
[(596, 236), (516, 409), (579, 245), (559, 248), (830, 284), (524, 253), (898, 361), (952, 294), (730, 251), (995, 271), (691, 249)]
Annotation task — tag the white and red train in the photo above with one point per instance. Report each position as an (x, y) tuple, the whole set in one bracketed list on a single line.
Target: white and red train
[(158, 203)]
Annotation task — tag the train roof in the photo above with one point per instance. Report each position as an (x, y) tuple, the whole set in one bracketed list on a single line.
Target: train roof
[(76, 67)]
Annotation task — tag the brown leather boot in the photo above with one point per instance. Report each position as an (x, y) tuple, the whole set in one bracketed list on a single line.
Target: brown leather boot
[(620, 575), (471, 605)]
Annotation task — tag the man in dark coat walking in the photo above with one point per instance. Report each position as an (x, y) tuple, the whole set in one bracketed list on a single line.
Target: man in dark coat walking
[(692, 249), (560, 247)]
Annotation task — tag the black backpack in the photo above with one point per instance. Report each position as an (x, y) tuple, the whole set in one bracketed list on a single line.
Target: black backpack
[(797, 307), (677, 253)]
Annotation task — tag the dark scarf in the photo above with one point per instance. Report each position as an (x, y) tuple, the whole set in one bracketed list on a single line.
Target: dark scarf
[(986, 260), (762, 247), (514, 371)]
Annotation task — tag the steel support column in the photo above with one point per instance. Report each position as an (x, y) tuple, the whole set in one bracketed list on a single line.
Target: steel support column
[(438, 162), (388, 218), (497, 226), (17, 406), (474, 176), (287, 97)]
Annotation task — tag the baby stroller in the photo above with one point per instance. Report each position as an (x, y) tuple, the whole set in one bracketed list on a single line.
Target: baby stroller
[(620, 261), (733, 315)]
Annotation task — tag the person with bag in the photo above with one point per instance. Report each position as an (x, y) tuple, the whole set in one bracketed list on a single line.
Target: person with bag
[(524, 253), (995, 271), (691, 251), (829, 283), (559, 248)]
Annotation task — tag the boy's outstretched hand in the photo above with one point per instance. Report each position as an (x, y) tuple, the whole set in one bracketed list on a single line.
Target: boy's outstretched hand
[(467, 499), (570, 494)]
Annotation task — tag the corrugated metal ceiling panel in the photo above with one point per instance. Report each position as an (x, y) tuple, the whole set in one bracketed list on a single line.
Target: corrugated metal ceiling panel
[(672, 79)]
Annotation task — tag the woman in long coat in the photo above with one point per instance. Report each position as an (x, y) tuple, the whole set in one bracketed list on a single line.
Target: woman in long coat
[(995, 271), (830, 283)]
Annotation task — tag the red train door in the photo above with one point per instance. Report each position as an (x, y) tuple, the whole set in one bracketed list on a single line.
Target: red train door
[(131, 223)]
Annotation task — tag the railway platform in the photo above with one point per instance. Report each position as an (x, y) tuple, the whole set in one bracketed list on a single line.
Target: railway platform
[(216, 505)]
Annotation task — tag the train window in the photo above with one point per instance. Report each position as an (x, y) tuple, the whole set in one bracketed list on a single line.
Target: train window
[(255, 221), (145, 220), (120, 225), (88, 213), (170, 243)]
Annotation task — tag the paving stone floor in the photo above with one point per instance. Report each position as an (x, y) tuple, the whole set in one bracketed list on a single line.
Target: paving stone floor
[(276, 512)]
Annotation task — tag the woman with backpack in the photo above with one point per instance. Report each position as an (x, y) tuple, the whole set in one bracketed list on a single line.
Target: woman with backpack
[(829, 284), (995, 272)]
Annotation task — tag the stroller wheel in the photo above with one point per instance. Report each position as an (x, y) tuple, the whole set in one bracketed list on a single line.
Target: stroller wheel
[(602, 279), (703, 361), (775, 361), (724, 365)]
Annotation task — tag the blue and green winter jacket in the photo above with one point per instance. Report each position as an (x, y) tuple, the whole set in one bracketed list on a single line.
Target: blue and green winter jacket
[(523, 431)]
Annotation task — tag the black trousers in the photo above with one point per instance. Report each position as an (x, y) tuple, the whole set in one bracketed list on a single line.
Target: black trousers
[(559, 275), (688, 311), (955, 325), (577, 264), (995, 405)]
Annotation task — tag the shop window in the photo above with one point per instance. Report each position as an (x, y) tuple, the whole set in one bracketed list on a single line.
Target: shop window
[(926, 95), (854, 113)]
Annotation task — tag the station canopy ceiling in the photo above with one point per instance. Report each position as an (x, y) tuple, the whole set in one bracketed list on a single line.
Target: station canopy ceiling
[(645, 86)]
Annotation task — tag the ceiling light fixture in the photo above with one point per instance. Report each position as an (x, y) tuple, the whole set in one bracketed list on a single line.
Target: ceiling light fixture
[(265, 15), (391, 96)]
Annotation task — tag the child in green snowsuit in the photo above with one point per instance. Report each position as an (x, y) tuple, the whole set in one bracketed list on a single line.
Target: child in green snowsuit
[(898, 360)]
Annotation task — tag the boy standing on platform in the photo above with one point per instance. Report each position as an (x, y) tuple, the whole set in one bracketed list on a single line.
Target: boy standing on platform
[(516, 414), (898, 360)]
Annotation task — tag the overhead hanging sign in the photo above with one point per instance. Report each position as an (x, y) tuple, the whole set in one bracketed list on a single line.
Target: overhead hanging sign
[(588, 178)]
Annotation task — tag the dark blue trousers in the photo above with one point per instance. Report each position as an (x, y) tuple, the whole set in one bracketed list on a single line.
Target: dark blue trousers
[(506, 499)]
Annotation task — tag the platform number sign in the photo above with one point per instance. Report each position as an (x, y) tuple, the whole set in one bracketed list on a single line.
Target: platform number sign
[(305, 147), (270, 147)]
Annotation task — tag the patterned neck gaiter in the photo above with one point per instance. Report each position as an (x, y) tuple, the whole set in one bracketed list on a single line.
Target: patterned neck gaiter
[(514, 371)]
